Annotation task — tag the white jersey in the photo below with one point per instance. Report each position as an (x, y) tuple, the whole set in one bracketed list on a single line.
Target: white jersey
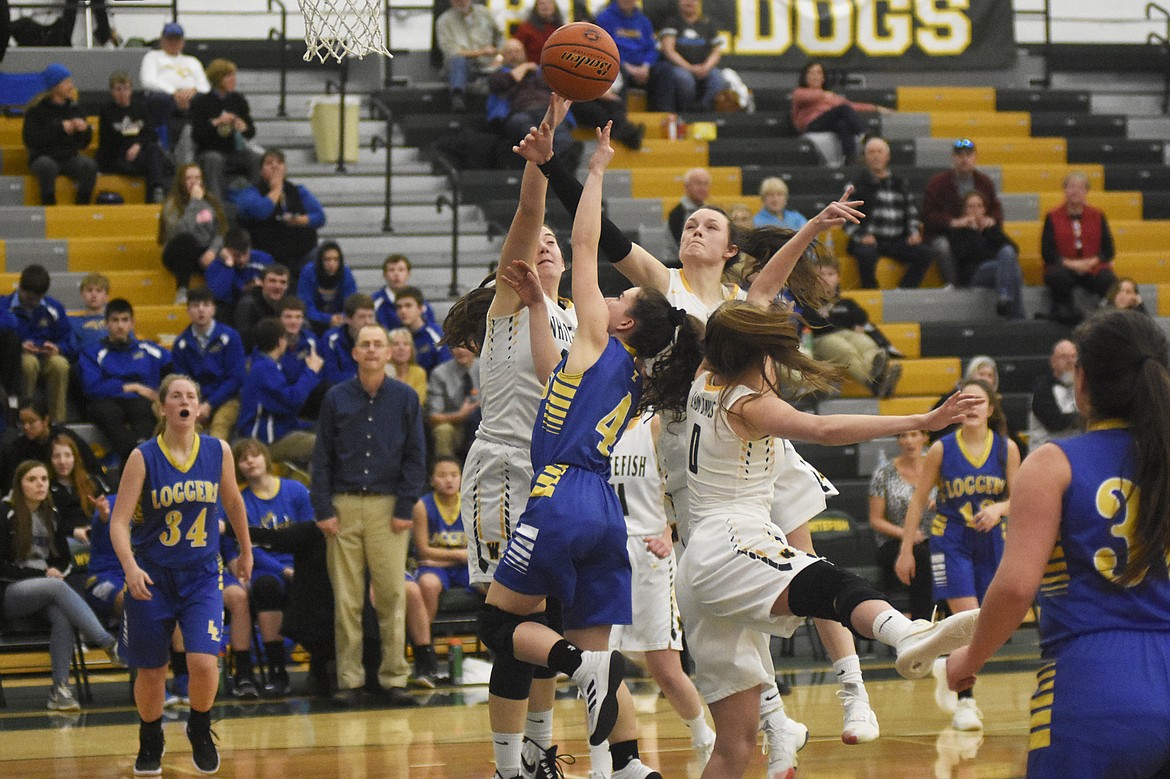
[(726, 473), (509, 387), (633, 472)]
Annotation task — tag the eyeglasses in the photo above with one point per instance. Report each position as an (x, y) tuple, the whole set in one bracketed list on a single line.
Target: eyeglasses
[(964, 144)]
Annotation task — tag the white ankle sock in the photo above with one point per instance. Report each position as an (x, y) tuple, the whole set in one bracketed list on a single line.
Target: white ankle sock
[(770, 701), (701, 732), (600, 761), (848, 670), (538, 727), (890, 626), (506, 748)]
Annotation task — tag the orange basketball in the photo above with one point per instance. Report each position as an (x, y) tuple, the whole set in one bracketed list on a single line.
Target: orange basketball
[(580, 61)]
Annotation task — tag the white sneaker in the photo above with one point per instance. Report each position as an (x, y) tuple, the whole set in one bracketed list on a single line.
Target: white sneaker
[(598, 677), (925, 641), (783, 738), (861, 725), (967, 716), (703, 752), (946, 700), (61, 699), (635, 769)]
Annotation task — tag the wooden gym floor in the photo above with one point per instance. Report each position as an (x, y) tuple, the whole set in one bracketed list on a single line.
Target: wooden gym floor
[(448, 736)]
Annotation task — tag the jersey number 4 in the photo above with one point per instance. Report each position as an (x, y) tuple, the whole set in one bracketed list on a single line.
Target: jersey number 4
[(196, 534), (611, 425)]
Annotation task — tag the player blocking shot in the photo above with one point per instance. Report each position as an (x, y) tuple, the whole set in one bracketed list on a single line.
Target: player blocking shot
[(165, 531)]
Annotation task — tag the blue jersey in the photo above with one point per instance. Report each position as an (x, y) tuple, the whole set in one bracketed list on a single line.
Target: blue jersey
[(102, 558), (176, 524), (1099, 511), (967, 485), (581, 415), (287, 504), (444, 529)]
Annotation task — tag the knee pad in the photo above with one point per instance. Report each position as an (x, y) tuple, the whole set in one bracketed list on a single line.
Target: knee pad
[(824, 591), (511, 678), (267, 594), (495, 629)]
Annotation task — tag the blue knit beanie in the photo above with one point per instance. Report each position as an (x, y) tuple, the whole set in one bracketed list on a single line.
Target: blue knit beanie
[(54, 74)]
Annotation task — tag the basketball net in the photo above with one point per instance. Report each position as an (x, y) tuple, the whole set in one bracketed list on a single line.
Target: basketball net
[(337, 28)]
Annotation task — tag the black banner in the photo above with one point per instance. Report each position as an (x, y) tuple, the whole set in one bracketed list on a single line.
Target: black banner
[(852, 34)]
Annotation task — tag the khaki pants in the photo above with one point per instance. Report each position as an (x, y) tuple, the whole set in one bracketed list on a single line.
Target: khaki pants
[(296, 447), (850, 349), (55, 369), (364, 542), (223, 420)]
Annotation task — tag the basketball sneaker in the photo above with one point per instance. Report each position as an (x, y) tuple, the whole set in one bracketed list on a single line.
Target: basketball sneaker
[(151, 748), (943, 697), (203, 752), (636, 769), (537, 763), (703, 752), (925, 641), (967, 716), (599, 677), (177, 696), (783, 738), (861, 725), (61, 699)]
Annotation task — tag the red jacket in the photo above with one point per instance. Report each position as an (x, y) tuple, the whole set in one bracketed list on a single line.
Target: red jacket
[(941, 202), (809, 104)]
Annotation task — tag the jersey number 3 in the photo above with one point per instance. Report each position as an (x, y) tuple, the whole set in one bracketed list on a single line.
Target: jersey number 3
[(196, 534)]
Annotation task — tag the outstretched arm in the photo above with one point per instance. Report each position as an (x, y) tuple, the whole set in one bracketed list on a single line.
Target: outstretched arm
[(521, 279)]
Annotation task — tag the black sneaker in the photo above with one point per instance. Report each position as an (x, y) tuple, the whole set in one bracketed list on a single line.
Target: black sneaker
[(277, 686), (203, 752), (244, 688), (537, 763), (151, 748)]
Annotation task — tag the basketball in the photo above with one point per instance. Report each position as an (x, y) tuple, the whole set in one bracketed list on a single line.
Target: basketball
[(580, 61)]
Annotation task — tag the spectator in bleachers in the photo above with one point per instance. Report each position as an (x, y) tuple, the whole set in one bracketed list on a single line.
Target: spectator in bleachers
[(775, 211), (89, 324), (641, 65), (403, 366), (1077, 247), (819, 110), (212, 354), (453, 403), (325, 284), (428, 348), (74, 490), (34, 561), (270, 403), (120, 376), (692, 45), (221, 126), (282, 217), (171, 79), (541, 22), (190, 228), (1054, 410), (127, 143), (891, 227), (300, 339), (35, 442), (843, 334), (262, 302), (440, 547), (890, 490), (1124, 294), (986, 257), (942, 204), (696, 190), (339, 341), (56, 132), (241, 679), (105, 581), (235, 272), (468, 36), (741, 216), (518, 98), (42, 326), (396, 271)]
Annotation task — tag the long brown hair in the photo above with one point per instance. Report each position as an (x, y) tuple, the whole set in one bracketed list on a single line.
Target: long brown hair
[(22, 530), (997, 419), (83, 486), (466, 322), (179, 198), (742, 336), (669, 341), (805, 281), (246, 447), (1127, 376)]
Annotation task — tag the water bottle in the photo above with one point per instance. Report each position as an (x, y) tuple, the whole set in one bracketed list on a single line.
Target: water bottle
[(455, 661)]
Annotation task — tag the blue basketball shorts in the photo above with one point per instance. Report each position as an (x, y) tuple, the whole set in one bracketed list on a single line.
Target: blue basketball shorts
[(102, 590), (191, 597), (963, 561), (449, 576)]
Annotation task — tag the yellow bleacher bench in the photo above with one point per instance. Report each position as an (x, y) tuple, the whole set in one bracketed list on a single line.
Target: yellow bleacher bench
[(662, 154), (1032, 177), (121, 221), (923, 376), (661, 182), (930, 99), (981, 124)]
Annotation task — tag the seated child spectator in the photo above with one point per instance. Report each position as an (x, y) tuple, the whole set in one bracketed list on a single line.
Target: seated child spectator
[(339, 342), (234, 272), (42, 326), (271, 503), (213, 355), (120, 375), (843, 334), (190, 228), (37, 431), (127, 143), (440, 548), (105, 582), (324, 285), (428, 349), (453, 403), (89, 324), (262, 302), (221, 126), (270, 403), (986, 257), (55, 132), (74, 491), (396, 270), (403, 366), (1124, 294)]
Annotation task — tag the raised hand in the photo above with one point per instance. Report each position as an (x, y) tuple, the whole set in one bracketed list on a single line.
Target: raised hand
[(838, 213), (952, 411), (604, 152), (537, 146), (522, 278), (558, 109)]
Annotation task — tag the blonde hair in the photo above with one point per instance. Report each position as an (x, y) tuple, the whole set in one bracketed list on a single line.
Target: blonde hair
[(217, 70), (773, 184)]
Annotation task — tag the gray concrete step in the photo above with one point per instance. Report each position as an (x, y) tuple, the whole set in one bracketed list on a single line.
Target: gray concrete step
[(343, 189), (406, 220)]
